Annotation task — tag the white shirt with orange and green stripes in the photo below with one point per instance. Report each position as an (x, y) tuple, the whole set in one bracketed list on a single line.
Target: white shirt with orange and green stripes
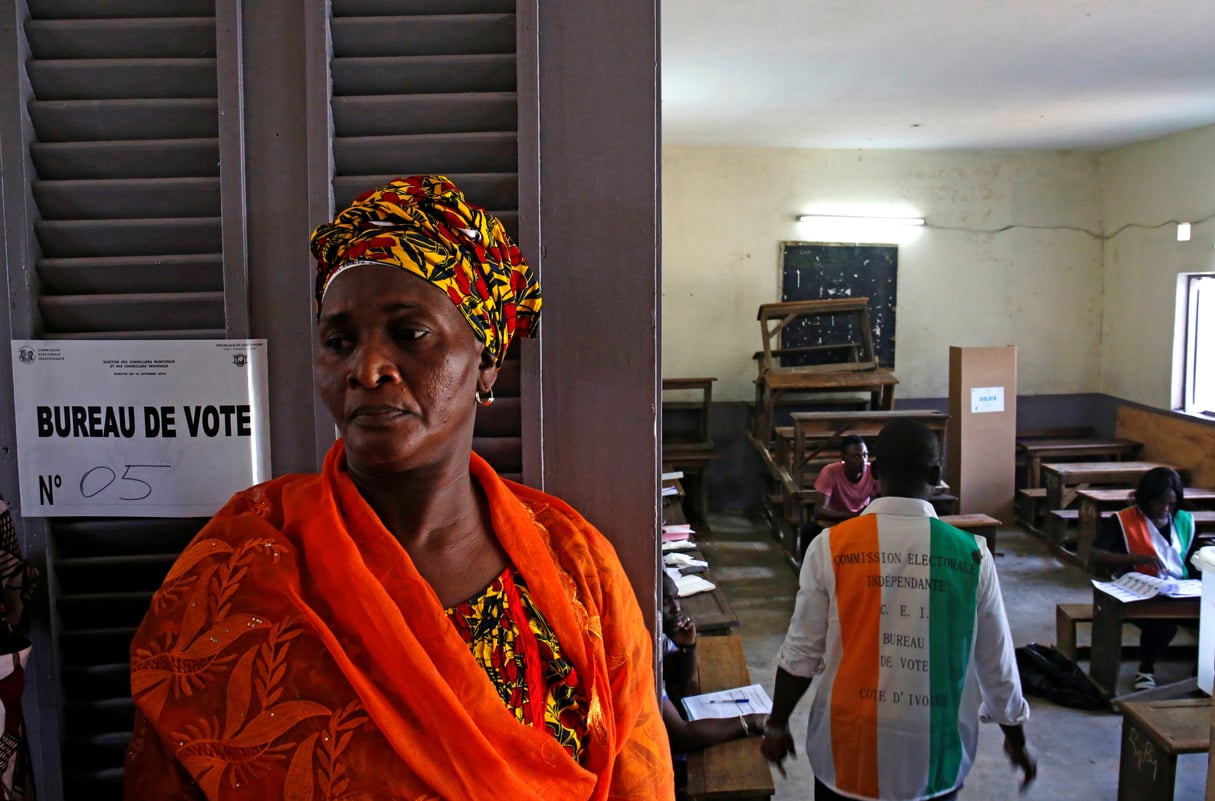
[(900, 617)]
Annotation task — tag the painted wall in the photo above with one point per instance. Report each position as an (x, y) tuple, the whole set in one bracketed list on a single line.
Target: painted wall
[(726, 211), (1172, 178)]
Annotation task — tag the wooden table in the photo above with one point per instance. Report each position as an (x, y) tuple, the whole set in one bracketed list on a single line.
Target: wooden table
[(1093, 502), (773, 384), (1153, 734), (733, 771), (817, 434), (1109, 614), (981, 524), (711, 611), (1064, 479), (1036, 450)]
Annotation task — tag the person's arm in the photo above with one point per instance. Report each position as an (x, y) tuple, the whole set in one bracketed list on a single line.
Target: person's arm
[(801, 654), (824, 512), (996, 668), (778, 742), (679, 664), (695, 735), (1109, 550), (1019, 755)]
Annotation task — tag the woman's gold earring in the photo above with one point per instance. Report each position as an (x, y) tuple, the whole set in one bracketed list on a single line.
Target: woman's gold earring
[(486, 398)]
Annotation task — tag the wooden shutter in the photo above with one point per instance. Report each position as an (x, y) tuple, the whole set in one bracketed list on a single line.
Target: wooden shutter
[(429, 86), (125, 148)]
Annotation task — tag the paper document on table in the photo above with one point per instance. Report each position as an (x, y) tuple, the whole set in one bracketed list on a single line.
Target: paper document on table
[(678, 545), (728, 703), (691, 585), (1139, 587)]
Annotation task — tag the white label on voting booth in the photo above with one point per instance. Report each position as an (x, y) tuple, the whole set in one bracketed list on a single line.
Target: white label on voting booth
[(986, 399), (156, 428)]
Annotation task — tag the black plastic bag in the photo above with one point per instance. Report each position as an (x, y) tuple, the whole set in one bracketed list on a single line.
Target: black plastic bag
[(1047, 673)]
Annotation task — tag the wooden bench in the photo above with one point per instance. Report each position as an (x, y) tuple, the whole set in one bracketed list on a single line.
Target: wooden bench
[(735, 770), (1027, 505), (1153, 734), (1068, 618)]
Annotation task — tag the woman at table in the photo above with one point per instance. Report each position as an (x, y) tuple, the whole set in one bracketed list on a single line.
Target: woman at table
[(1154, 536), (406, 624)]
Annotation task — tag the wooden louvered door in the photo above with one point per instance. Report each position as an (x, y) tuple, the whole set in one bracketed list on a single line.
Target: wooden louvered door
[(429, 86), (132, 133), (125, 149)]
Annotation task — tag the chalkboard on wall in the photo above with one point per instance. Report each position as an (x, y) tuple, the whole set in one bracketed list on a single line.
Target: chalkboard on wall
[(821, 271)]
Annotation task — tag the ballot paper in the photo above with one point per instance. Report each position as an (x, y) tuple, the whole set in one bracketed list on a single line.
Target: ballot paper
[(728, 703), (678, 545), (1140, 586)]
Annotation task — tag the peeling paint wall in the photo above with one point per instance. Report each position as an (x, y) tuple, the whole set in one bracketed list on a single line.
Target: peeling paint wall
[(726, 211), (1172, 178)]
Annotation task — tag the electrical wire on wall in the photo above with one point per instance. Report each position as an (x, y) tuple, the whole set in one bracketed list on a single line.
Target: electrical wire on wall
[(1094, 234)]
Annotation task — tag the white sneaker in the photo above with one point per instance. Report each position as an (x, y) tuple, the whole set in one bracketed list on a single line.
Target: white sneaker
[(1145, 681)]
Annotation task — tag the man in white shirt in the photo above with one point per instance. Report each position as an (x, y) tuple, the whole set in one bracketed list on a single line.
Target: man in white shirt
[(900, 615)]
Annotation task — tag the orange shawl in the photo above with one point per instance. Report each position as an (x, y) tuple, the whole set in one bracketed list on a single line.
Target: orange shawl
[(294, 652)]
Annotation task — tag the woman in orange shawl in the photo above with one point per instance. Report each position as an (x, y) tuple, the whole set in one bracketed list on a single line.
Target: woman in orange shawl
[(406, 624)]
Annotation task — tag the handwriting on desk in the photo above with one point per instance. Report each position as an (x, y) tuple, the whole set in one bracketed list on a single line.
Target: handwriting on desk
[(1144, 751)]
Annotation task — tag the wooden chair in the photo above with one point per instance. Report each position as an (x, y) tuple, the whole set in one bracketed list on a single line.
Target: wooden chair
[(689, 447)]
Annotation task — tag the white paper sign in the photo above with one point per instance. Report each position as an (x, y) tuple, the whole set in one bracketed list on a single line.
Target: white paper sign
[(986, 399), (139, 428)]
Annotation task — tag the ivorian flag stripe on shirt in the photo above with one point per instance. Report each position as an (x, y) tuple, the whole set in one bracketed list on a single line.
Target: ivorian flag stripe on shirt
[(854, 744), (950, 637), (859, 722)]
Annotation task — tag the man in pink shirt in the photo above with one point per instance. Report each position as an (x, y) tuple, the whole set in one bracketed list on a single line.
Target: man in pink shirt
[(842, 488)]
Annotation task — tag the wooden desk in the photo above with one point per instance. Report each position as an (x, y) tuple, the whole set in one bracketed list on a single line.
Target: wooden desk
[(711, 611), (818, 434), (1095, 501), (698, 435), (773, 384), (1108, 616), (1063, 480), (733, 771), (690, 449), (1153, 734), (984, 525), (1036, 450)]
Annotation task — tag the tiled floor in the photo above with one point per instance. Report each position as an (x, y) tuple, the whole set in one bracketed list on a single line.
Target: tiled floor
[(1077, 751)]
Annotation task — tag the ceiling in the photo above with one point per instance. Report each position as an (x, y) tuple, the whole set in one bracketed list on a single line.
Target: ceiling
[(935, 74)]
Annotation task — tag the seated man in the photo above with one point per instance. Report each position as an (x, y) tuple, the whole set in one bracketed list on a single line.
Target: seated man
[(678, 670), (842, 488)]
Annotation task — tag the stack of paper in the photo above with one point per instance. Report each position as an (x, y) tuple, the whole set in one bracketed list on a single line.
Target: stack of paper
[(682, 561)]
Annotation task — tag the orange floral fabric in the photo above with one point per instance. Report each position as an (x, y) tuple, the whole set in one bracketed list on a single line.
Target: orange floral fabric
[(294, 652)]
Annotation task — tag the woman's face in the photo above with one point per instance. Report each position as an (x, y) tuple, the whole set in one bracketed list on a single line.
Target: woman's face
[(398, 368), (1161, 510)]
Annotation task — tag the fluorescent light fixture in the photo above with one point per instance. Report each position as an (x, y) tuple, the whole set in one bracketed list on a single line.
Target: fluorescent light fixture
[(1183, 232), (860, 218)]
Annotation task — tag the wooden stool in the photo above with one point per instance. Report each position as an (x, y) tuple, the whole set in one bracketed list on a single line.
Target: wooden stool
[(1153, 734)]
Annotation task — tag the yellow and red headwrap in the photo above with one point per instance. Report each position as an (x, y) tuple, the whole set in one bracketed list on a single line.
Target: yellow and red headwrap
[(424, 225)]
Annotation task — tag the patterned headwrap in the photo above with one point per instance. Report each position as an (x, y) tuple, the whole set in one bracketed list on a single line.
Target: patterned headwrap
[(424, 225)]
